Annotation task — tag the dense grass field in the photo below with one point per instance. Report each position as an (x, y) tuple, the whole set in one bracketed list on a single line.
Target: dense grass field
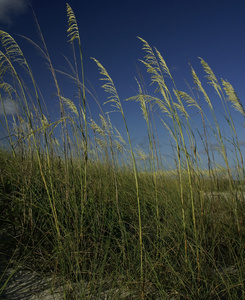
[(89, 209)]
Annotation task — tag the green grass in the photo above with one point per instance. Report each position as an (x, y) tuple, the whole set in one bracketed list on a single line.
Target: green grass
[(86, 210)]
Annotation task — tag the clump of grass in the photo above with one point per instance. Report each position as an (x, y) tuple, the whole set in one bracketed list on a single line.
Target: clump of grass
[(86, 210)]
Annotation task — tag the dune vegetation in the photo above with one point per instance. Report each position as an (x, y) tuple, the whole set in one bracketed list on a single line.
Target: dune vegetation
[(105, 219)]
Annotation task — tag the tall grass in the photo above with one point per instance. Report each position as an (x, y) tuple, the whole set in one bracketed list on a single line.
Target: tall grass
[(106, 219)]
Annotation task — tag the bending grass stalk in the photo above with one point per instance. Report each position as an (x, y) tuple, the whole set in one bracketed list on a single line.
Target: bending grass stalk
[(237, 105), (233, 98), (218, 134), (73, 34), (157, 67), (142, 98), (64, 131), (7, 88), (109, 87), (12, 49)]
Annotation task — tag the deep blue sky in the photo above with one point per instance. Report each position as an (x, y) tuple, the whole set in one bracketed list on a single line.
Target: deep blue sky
[(181, 30)]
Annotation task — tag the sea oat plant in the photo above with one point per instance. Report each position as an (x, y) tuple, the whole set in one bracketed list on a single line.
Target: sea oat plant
[(105, 218)]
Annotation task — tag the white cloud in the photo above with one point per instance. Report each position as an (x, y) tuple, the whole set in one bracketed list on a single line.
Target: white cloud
[(9, 107), (11, 8)]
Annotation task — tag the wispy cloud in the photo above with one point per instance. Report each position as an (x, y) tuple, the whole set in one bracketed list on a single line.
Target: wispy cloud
[(11, 8), (9, 107)]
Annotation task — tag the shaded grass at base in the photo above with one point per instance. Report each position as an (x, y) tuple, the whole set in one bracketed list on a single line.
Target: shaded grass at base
[(100, 243)]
